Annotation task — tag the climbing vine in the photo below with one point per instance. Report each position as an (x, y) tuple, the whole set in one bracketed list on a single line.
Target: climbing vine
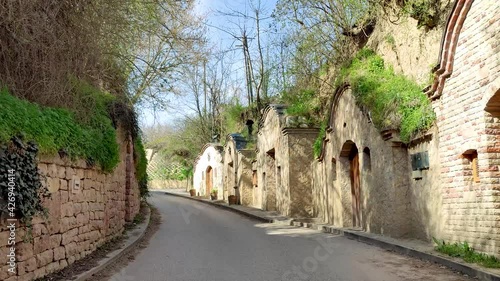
[(20, 182)]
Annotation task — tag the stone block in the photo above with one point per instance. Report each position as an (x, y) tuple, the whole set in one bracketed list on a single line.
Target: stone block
[(27, 266), (61, 172), (70, 172), (55, 240), (68, 237), (24, 251), (71, 260), (45, 258), (64, 196), (53, 184), (71, 250), (42, 169), (67, 209), (63, 264), (52, 170), (40, 272), (63, 184), (41, 244), (52, 267), (27, 277), (4, 272)]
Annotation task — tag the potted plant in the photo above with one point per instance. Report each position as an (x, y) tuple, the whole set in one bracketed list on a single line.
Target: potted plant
[(192, 192), (232, 200), (213, 194)]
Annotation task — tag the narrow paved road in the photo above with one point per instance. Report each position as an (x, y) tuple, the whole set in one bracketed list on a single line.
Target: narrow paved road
[(200, 242)]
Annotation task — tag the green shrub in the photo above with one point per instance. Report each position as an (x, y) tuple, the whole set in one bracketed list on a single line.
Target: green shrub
[(394, 101), (302, 103), (60, 130), (467, 253), (318, 143)]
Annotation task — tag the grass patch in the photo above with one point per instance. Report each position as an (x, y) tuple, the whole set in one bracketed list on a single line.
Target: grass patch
[(58, 130), (467, 253), (302, 103), (395, 102)]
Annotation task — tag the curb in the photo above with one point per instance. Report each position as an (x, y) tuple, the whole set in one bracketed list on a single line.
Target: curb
[(115, 255), (397, 248), (241, 212)]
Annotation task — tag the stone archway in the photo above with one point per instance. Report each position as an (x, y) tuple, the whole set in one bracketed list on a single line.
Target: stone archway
[(209, 179)]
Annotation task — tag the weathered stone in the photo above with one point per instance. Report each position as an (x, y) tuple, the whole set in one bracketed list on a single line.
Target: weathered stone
[(68, 236), (53, 184), (27, 277), (41, 244), (24, 251), (63, 184), (52, 267), (61, 172), (45, 258), (55, 240), (70, 172), (27, 266), (52, 170), (59, 253)]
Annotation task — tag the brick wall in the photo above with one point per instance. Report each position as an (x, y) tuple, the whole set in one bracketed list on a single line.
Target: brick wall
[(471, 209), (79, 221)]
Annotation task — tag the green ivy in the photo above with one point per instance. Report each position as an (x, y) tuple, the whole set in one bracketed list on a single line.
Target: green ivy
[(318, 143), (394, 101), (19, 180), (57, 130), (141, 165)]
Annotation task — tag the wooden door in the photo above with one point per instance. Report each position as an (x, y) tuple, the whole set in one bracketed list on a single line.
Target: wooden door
[(209, 179), (355, 191)]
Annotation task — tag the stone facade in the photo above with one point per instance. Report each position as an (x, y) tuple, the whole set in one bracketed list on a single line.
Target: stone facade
[(382, 169), (238, 169), (79, 220), (209, 171), (283, 156)]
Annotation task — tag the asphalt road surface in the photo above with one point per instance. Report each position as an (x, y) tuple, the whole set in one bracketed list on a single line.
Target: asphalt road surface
[(198, 242)]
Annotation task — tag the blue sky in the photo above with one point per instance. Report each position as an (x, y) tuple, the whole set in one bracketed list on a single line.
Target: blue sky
[(218, 38)]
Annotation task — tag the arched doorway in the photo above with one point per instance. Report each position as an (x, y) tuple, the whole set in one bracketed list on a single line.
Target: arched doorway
[(351, 155), (208, 181)]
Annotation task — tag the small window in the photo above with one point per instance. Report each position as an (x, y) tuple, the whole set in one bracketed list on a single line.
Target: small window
[(367, 161), (334, 169), (254, 178), (471, 156)]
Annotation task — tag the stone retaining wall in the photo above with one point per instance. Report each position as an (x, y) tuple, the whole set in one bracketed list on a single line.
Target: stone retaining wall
[(79, 220)]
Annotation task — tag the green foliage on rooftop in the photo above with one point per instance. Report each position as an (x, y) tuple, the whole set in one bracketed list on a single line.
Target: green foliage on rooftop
[(393, 100)]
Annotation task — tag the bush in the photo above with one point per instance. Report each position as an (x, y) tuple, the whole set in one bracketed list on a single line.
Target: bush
[(302, 103), (58, 130), (394, 101)]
